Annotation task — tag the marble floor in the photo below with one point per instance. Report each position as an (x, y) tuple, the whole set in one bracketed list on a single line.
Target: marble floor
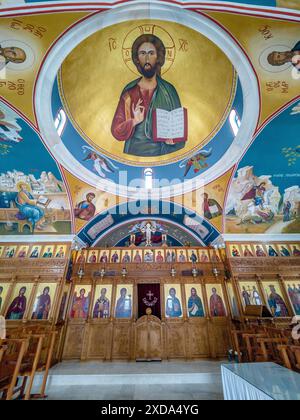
[(198, 380)]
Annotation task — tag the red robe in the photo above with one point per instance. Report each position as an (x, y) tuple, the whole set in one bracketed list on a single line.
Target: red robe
[(217, 307), (122, 125)]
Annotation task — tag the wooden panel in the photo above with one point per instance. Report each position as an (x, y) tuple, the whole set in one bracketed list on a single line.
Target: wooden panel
[(121, 347), (155, 342), (219, 337), (142, 342), (98, 340), (74, 341), (197, 338), (175, 346)]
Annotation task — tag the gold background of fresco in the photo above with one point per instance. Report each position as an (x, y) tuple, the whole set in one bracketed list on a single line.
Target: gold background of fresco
[(94, 75)]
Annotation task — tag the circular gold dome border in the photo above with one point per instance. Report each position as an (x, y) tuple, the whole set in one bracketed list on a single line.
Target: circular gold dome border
[(162, 162), (173, 13)]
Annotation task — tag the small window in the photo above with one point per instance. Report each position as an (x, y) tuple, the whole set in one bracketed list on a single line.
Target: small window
[(235, 121), (148, 178), (60, 121)]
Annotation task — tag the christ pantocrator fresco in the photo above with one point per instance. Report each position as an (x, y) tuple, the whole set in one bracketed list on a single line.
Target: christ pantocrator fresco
[(133, 120)]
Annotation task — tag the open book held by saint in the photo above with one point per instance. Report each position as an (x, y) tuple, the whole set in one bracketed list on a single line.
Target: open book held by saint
[(133, 120)]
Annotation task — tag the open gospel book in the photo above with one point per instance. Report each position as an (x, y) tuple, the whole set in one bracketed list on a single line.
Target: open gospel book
[(170, 125)]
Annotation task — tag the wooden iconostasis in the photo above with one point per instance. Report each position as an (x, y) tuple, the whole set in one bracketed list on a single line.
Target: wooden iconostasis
[(32, 281), (265, 274), (199, 292)]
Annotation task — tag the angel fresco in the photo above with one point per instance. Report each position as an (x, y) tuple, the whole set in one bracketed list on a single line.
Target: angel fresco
[(197, 162), (295, 111), (80, 304), (9, 128), (101, 165), (133, 121)]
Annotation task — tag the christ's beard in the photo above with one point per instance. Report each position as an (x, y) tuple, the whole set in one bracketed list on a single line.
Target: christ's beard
[(148, 71)]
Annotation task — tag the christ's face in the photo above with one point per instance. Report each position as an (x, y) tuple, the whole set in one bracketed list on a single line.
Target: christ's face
[(147, 58), (193, 291)]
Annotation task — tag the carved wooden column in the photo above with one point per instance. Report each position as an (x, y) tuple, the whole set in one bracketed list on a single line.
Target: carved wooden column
[(285, 295), (236, 291), (9, 295), (261, 289), (28, 313)]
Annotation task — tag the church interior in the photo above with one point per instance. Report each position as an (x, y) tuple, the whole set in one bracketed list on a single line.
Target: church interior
[(150, 200)]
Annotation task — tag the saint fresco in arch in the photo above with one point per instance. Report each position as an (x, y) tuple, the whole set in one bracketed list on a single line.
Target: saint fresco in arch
[(17, 308), (102, 305), (216, 304), (42, 305), (173, 305), (124, 304), (279, 58), (133, 120), (276, 302), (195, 305), (81, 302)]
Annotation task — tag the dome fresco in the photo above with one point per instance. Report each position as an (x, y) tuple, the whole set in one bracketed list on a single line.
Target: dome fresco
[(217, 137)]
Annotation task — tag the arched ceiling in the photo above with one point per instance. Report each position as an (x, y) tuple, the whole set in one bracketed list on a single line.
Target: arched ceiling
[(65, 94)]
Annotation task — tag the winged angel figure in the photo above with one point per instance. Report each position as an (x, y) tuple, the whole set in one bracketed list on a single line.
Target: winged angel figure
[(100, 163)]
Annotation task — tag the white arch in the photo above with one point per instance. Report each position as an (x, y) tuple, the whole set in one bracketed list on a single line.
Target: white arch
[(141, 218), (143, 10)]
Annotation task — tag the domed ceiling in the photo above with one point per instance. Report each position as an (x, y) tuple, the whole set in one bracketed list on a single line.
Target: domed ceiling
[(216, 137)]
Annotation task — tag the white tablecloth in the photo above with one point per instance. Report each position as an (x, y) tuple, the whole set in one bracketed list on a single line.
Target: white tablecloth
[(260, 381), (238, 389)]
